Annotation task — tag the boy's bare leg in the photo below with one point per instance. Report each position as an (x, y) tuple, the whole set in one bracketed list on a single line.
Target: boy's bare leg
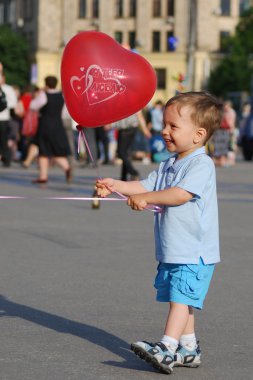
[(190, 326), (178, 321)]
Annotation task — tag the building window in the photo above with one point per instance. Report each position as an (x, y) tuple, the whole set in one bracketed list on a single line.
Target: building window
[(161, 78), (224, 41), (170, 7), (156, 41), (6, 12), (131, 39), (119, 9), (82, 9), (171, 41), (225, 7), (244, 5), (12, 12), (28, 9), (1, 14), (118, 37), (132, 8), (156, 8), (95, 8)]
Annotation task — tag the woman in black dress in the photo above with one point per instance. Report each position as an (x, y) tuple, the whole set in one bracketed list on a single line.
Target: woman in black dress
[(51, 137)]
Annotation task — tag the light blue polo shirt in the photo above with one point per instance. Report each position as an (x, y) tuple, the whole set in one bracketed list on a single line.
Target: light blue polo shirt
[(187, 232)]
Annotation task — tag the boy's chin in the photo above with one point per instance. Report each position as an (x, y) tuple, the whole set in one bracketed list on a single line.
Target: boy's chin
[(171, 149)]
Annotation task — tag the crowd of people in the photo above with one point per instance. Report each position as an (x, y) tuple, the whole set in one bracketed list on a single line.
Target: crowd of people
[(35, 127)]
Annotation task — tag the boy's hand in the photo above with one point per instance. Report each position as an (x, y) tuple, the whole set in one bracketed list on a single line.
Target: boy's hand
[(104, 187), (137, 202)]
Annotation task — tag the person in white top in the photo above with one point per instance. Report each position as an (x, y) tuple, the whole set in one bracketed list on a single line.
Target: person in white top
[(11, 99)]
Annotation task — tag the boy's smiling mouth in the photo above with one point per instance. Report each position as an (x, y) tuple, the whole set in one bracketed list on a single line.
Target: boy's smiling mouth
[(168, 141)]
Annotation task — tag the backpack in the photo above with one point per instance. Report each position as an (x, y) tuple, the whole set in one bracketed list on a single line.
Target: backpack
[(3, 101)]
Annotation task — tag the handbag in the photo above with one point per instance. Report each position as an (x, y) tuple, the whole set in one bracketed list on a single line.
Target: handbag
[(30, 123)]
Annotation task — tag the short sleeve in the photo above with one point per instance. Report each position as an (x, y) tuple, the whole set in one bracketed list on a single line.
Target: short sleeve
[(10, 96), (198, 175), (39, 101), (150, 182)]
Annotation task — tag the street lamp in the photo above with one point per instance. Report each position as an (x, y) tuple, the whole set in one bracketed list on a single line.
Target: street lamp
[(192, 43)]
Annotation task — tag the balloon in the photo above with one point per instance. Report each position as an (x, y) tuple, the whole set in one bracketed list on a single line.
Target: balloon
[(102, 82)]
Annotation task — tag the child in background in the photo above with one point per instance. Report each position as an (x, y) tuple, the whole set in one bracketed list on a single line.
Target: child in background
[(186, 230)]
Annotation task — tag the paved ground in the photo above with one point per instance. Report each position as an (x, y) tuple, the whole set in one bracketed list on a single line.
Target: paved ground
[(76, 283)]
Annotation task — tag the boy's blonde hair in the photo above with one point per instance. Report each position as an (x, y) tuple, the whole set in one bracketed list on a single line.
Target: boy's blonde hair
[(206, 109)]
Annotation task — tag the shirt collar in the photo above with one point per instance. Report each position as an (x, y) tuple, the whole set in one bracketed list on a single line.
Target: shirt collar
[(176, 164)]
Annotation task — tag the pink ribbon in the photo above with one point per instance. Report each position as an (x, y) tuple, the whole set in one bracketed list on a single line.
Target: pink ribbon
[(65, 198), (10, 197), (149, 208)]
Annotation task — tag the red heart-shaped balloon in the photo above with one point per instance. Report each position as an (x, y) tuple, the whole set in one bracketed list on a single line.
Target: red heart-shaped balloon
[(102, 82)]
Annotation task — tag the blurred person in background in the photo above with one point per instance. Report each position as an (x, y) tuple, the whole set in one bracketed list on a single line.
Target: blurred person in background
[(156, 124), (229, 114), (156, 118), (102, 141), (127, 129), (141, 144), (224, 147), (246, 132), (29, 147), (5, 116), (16, 119), (51, 135), (68, 126), (91, 160), (245, 138)]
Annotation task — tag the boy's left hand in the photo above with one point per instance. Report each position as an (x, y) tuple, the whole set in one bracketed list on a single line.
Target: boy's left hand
[(137, 202)]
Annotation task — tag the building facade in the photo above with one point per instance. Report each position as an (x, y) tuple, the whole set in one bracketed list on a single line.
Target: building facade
[(182, 39)]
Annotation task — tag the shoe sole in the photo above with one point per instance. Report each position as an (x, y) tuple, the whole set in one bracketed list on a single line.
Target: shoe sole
[(144, 355), (163, 368), (196, 365), (141, 352)]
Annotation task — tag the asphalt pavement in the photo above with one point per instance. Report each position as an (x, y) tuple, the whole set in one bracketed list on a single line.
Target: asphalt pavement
[(77, 283)]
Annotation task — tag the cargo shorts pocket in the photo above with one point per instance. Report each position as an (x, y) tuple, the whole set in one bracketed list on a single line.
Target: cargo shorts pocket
[(161, 279), (193, 281)]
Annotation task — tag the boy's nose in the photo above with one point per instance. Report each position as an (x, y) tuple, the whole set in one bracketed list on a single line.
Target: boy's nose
[(165, 131)]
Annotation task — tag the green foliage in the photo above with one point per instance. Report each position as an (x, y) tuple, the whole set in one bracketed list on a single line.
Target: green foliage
[(235, 71), (14, 55)]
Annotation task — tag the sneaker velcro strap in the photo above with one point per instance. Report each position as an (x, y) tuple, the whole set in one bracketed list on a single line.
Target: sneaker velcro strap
[(167, 360), (189, 359), (198, 348), (162, 346), (149, 343)]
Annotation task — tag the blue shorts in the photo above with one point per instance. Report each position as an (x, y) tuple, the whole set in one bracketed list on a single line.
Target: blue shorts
[(183, 283)]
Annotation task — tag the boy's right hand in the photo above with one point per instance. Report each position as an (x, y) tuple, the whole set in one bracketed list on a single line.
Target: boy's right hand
[(105, 187)]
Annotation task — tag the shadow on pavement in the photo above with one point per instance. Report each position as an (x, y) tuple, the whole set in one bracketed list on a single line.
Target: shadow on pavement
[(92, 334)]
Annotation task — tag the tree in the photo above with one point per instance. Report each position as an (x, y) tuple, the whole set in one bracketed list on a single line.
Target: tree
[(235, 71), (14, 55)]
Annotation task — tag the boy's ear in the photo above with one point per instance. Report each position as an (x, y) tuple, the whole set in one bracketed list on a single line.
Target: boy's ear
[(200, 135)]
